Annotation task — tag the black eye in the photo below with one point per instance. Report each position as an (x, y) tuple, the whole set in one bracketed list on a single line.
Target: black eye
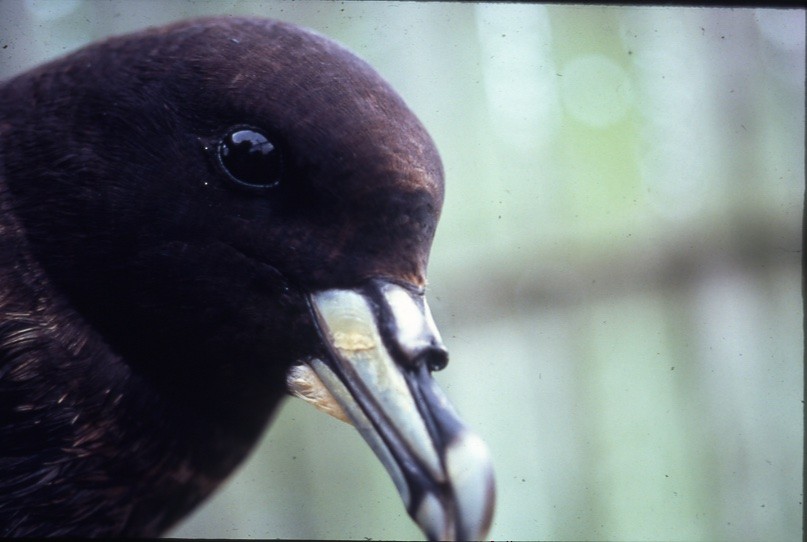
[(250, 159)]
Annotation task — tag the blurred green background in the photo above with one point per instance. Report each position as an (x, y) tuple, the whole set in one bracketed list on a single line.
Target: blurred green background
[(617, 272)]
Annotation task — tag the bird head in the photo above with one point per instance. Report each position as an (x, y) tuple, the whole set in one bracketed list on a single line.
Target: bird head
[(241, 206)]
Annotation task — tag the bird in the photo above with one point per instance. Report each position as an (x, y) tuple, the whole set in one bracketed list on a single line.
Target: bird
[(198, 221)]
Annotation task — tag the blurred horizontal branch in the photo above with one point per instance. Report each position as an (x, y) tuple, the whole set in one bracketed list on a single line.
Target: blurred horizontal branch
[(672, 260)]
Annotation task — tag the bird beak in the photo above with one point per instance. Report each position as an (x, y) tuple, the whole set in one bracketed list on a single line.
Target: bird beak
[(383, 345)]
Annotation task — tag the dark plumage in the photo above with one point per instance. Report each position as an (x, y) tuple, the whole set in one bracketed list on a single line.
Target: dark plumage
[(151, 302)]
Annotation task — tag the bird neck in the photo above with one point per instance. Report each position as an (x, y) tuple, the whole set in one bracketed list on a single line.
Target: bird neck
[(89, 433), (81, 428)]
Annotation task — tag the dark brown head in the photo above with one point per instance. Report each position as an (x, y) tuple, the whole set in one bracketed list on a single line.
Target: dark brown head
[(136, 128), (199, 192), (116, 157)]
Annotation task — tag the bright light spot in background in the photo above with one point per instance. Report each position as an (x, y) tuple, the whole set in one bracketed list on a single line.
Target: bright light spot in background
[(519, 73), (596, 91), (48, 10), (676, 106)]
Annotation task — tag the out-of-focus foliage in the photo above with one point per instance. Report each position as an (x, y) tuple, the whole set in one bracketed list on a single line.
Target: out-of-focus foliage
[(617, 270)]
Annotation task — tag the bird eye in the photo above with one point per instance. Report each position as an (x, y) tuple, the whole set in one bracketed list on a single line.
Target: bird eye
[(250, 159)]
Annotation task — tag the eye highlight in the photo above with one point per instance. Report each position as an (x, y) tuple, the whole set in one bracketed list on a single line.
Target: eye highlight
[(250, 159)]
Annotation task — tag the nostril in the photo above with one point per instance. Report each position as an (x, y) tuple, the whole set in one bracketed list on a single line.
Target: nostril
[(435, 357)]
